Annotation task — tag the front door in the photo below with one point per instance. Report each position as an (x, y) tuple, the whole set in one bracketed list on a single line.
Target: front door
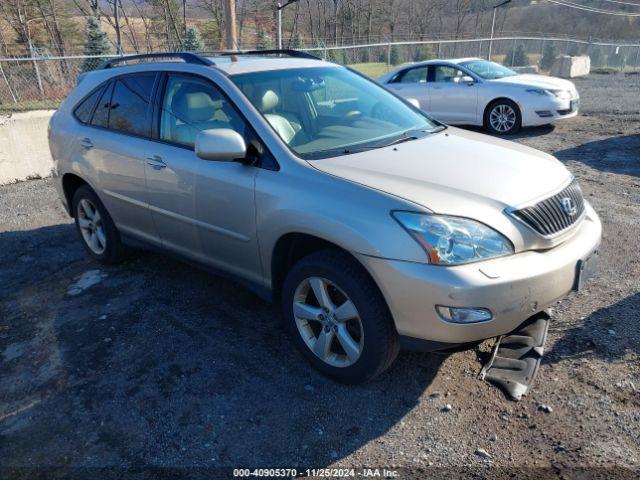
[(202, 209), (451, 98)]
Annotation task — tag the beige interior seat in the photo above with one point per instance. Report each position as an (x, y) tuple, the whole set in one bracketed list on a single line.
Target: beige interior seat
[(268, 102), (196, 111)]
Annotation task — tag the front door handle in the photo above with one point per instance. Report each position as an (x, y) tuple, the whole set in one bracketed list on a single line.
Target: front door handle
[(155, 161), (86, 142)]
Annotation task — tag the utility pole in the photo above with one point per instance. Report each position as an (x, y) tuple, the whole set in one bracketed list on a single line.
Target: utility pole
[(116, 19), (280, 7), (493, 25), (230, 24)]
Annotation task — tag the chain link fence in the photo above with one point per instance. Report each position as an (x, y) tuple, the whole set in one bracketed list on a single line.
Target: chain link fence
[(42, 82)]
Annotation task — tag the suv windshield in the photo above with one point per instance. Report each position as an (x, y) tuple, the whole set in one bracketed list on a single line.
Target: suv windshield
[(488, 70), (326, 111)]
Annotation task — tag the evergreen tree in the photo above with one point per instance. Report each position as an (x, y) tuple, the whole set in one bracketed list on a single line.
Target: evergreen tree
[(424, 52), (192, 40), (96, 43), (263, 41), (517, 57), (574, 50), (296, 42), (548, 56), (395, 56)]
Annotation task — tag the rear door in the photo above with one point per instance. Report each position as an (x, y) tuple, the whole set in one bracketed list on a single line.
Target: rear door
[(451, 99), (203, 209), (412, 83), (113, 143)]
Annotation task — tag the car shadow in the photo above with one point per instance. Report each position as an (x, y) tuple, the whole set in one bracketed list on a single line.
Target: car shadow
[(613, 154), (160, 364), (527, 132), (609, 333)]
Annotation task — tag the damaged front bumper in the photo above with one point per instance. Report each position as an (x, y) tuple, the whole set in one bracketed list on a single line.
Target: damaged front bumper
[(513, 288)]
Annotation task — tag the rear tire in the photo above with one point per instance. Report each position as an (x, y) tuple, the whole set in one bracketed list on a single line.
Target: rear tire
[(360, 340), (503, 117), (99, 235)]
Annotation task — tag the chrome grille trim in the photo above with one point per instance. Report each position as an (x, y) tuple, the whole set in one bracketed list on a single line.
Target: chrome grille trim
[(548, 217)]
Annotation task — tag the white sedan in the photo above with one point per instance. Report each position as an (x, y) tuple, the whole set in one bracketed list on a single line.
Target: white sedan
[(472, 91)]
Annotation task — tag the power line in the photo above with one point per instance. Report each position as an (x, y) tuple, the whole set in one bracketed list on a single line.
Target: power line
[(577, 6), (621, 3)]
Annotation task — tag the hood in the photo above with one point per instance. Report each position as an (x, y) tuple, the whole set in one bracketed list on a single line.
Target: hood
[(455, 171), (537, 81)]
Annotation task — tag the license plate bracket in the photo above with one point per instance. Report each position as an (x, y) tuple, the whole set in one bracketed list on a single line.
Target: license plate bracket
[(586, 269)]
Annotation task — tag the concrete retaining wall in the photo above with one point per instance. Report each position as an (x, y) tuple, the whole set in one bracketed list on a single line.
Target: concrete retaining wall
[(571, 67), (24, 148)]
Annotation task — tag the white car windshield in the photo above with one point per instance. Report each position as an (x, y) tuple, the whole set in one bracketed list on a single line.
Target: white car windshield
[(488, 70), (328, 111)]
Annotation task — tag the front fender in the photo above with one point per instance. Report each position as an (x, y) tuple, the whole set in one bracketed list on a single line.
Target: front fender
[(354, 217)]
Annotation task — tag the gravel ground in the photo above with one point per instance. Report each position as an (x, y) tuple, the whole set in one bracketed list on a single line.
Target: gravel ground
[(158, 364)]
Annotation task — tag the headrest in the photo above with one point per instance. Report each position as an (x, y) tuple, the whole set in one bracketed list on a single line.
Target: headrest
[(269, 101), (193, 104)]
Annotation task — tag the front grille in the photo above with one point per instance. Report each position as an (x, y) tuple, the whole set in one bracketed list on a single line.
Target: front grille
[(556, 213)]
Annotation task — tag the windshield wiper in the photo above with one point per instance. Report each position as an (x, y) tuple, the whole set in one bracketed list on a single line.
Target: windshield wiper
[(407, 136)]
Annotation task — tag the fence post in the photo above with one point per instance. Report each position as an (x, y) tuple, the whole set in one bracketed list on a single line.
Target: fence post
[(38, 78), (388, 56), (439, 45), (513, 52)]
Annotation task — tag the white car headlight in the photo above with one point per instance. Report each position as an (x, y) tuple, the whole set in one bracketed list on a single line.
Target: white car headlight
[(451, 240), (540, 92)]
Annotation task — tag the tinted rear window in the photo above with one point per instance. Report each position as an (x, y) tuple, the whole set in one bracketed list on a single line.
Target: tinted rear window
[(101, 115), (84, 111), (130, 104)]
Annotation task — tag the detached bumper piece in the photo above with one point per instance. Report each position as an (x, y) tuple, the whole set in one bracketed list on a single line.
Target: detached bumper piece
[(516, 357)]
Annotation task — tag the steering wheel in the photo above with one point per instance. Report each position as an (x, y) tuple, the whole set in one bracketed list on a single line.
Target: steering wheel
[(353, 115)]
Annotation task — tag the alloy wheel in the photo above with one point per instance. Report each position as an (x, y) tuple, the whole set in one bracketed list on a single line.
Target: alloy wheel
[(91, 226), (502, 118), (328, 322)]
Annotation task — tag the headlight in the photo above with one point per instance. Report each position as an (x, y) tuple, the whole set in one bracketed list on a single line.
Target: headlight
[(540, 91), (453, 240)]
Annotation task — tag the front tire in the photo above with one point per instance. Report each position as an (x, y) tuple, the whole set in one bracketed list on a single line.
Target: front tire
[(99, 234), (338, 318), (503, 117)]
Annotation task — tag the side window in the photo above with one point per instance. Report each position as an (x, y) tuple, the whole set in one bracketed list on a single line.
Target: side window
[(130, 104), (85, 109), (446, 74), (190, 105), (101, 115), (414, 75)]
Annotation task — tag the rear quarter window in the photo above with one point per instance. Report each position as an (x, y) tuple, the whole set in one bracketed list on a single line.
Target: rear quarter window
[(85, 108)]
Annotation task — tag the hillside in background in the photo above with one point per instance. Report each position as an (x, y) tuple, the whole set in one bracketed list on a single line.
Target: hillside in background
[(57, 27)]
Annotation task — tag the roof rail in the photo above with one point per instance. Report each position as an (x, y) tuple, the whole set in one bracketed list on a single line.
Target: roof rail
[(286, 51), (185, 56)]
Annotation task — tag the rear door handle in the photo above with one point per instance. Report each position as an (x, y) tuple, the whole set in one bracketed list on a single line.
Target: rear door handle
[(86, 142), (155, 161)]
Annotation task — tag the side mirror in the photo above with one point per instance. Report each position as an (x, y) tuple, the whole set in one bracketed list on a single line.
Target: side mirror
[(220, 144), (414, 102), (468, 80)]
